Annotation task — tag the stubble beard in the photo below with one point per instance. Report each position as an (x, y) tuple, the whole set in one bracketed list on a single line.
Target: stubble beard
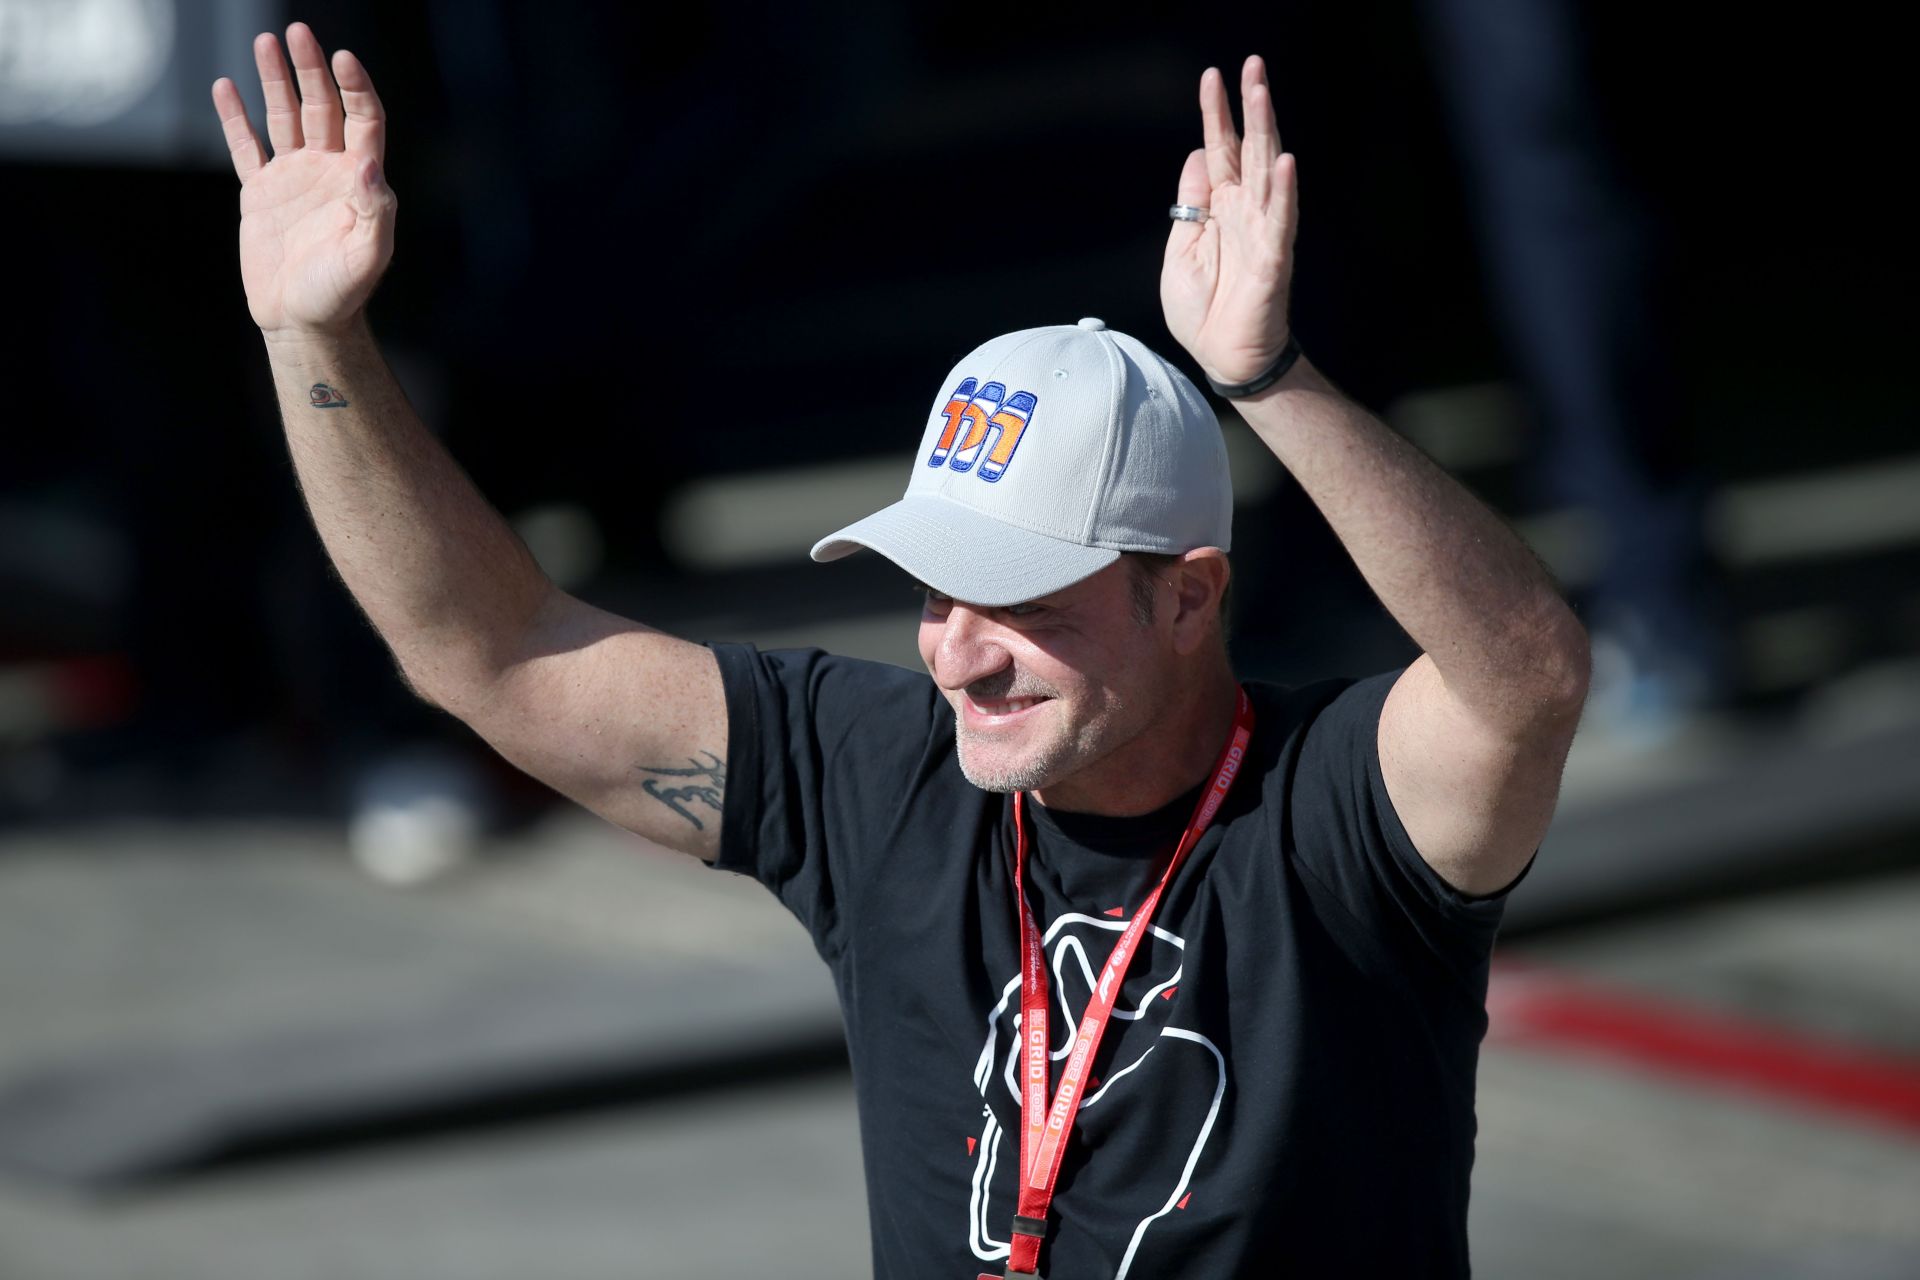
[(1047, 764)]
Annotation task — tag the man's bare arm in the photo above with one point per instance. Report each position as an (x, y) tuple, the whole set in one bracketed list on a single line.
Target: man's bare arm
[(1475, 733), (626, 720)]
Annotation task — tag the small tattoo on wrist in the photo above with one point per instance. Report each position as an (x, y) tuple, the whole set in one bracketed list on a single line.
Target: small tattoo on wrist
[(710, 790), (323, 396)]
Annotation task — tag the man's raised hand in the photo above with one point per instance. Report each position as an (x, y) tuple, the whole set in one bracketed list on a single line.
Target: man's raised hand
[(316, 221), (1223, 283)]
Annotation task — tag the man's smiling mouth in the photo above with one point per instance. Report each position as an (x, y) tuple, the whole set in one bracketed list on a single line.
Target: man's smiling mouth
[(995, 709)]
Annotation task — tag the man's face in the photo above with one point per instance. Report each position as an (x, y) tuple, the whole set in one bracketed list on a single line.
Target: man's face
[(1042, 690)]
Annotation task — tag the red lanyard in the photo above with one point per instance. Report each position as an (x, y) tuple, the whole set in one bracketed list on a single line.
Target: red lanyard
[(1044, 1129)]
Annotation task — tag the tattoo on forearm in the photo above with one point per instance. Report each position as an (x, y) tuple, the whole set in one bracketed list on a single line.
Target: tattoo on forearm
[(709, 792), (323, 396)]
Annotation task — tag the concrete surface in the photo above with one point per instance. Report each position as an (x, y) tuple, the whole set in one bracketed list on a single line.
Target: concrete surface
[(126, 938)]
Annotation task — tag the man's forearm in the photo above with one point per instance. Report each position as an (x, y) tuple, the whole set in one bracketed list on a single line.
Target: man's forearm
[(1467, 590), (440, 574)]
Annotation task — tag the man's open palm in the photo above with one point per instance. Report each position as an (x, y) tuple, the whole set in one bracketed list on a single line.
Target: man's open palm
[(316, 221), (1224, 282)]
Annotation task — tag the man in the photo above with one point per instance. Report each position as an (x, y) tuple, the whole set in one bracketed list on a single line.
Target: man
[(1230, 1017)]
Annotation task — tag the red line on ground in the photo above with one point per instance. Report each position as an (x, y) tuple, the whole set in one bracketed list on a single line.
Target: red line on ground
[(1531, 1006)]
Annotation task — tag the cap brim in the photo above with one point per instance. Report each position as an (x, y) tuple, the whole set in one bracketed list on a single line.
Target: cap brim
[(961, 553)]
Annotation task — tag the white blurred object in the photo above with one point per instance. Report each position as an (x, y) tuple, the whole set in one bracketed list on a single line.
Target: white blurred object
[(80, 62), (417, 816), (125, 82)]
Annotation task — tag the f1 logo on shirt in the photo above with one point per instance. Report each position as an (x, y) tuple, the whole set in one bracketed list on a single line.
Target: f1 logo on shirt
[(994, 422)]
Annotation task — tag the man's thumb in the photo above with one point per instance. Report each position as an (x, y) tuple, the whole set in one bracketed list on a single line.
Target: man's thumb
[(370, 176)]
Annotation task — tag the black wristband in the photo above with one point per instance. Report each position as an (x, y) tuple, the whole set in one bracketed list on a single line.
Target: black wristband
[(1276, 371)]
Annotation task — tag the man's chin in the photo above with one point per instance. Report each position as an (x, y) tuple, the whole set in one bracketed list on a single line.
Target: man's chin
[(990, 771)]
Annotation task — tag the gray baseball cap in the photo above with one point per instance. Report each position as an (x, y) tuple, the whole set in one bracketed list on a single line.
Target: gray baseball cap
[(1049, 453)]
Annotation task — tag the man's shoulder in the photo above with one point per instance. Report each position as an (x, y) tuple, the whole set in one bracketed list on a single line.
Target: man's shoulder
[(1333, 718), (820, 667), (835, 692), (1282, 710)]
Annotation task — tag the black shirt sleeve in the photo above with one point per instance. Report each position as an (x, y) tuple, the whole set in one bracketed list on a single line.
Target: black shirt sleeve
[(823, 756), (1349, 838)]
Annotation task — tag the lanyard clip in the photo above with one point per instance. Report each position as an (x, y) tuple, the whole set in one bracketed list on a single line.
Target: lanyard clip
[(1034, 1229)]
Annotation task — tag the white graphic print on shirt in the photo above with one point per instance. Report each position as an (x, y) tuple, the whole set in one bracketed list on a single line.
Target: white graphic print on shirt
[(1177, 1059)]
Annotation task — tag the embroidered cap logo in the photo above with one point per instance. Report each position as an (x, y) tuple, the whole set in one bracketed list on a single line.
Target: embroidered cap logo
[(994, 422)]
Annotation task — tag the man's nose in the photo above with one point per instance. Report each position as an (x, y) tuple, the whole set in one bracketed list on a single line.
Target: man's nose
[(969, 647)]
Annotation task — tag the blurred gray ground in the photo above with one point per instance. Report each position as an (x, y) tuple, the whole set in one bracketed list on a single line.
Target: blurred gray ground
[(172, 941), (578, 1056)]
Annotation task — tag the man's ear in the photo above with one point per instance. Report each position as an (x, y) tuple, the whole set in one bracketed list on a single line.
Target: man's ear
[(1199, 581)]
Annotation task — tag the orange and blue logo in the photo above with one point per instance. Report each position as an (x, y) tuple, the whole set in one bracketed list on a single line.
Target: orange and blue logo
[(984, 427)]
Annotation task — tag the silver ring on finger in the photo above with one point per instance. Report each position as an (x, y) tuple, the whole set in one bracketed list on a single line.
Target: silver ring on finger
[(1189, 212)]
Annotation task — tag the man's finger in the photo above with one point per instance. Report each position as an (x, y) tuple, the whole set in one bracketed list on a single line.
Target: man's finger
[(243, 144), (1194, 189), (1216, 120), (1283, 211), (366, 118), (319, 103), (1262, 145), (283, 105), (1195, 186)]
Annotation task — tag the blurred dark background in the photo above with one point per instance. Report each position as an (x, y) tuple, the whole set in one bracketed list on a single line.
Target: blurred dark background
[(637, 251)]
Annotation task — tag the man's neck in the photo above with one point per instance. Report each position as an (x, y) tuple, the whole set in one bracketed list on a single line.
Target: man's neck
[(1170, 758)]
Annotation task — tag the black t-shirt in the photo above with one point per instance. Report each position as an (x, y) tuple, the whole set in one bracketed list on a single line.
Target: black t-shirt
[(1286, 1086)]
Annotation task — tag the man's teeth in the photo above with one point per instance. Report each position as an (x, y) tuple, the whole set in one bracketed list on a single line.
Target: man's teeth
[(1009, 707)]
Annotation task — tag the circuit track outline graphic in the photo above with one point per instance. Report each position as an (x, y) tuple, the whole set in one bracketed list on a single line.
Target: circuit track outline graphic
[(982, 1215)]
